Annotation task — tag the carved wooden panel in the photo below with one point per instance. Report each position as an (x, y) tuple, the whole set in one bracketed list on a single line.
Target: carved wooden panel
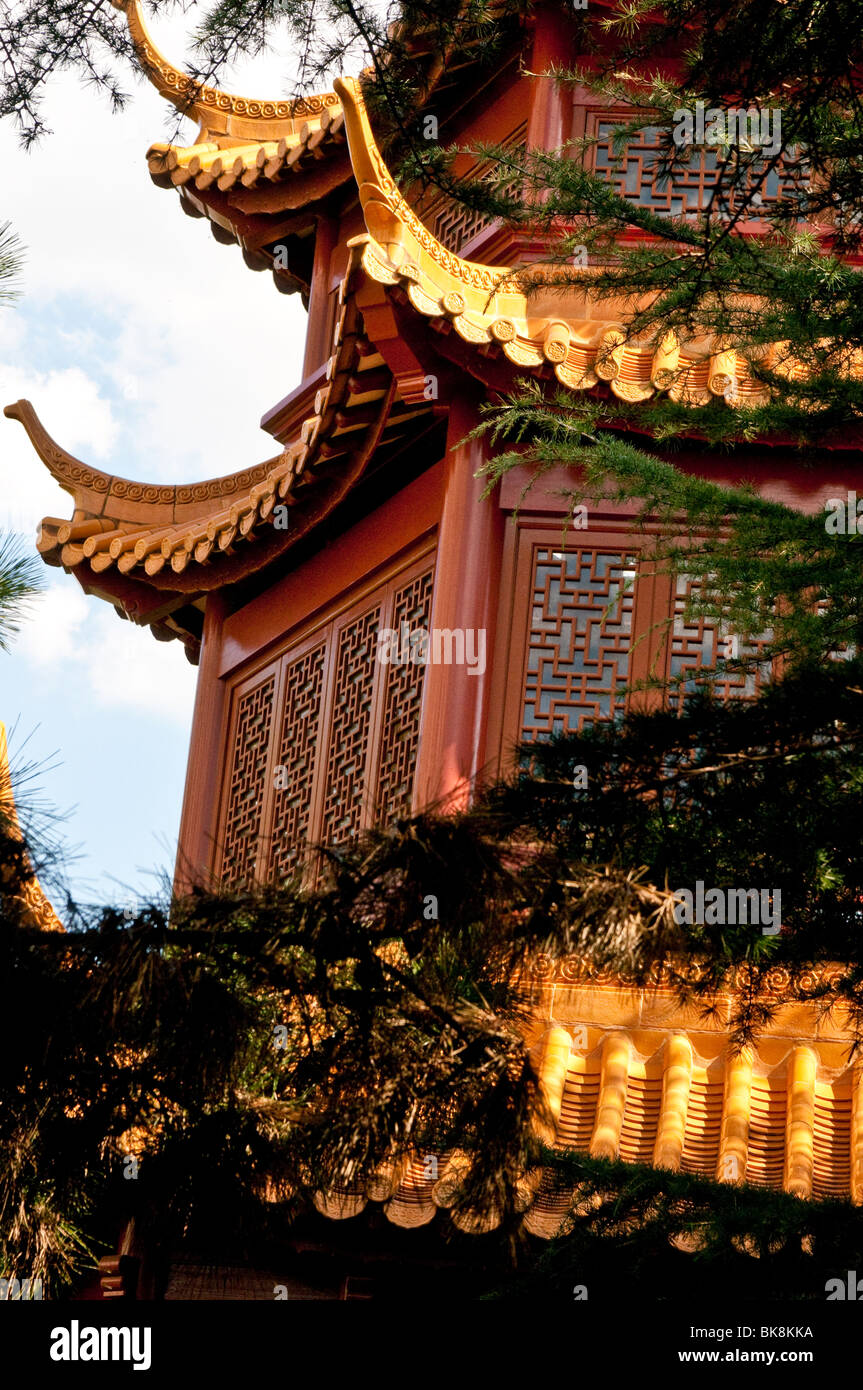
[(451, 221), (324, 742), (580, 634), (636, 173), (403, 692), (345, 786), (294, 772), (247, 781), (697, 644)]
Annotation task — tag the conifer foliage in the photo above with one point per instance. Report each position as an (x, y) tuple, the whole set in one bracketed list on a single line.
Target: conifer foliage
[(255, 1048)]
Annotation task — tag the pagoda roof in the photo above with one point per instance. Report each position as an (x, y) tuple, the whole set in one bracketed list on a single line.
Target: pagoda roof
[(290, 152), (154, 551), (629, 1072), (220, 114), (508, 313)]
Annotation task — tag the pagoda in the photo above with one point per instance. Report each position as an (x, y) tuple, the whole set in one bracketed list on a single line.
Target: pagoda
[(369, 519)]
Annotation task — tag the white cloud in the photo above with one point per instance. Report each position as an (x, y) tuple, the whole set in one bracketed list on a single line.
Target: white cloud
[(79, 646), (129, 670), (49, 638), (74, 411)]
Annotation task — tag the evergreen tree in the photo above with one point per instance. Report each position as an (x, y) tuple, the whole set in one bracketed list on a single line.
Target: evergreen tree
[(404, 1033)]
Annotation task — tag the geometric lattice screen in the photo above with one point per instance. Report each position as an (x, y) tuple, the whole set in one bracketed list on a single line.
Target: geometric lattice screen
[(698, 644), (585, 617), (247, 779), (452, 222), (323, 741), (578, 651), (402, 699), (636, 173), (350, 723), (300, 730)]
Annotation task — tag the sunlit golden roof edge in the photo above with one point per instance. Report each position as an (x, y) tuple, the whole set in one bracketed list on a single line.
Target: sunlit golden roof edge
[(218, 111), (583, 339)]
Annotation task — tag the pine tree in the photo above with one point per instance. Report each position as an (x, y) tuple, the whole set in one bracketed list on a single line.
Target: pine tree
[(405, 1032)]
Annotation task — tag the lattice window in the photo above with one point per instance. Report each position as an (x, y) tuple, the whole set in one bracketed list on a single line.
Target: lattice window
[(637, 173), (295, 760), (349, 738), (324, 742), (402, 701), (579, 641), (452, 223), (699, 644), (455, 224), (247, 781)]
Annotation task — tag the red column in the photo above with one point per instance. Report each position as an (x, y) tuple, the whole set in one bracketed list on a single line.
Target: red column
[(200, 800), (318, 332), (550, 119), (467, 580)]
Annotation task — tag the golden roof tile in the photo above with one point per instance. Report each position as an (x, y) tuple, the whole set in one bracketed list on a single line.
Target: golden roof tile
[(500, 309), (190, 538), (672, 1092)]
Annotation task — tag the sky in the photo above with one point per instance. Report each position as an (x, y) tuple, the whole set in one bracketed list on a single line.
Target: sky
[(150, 351)]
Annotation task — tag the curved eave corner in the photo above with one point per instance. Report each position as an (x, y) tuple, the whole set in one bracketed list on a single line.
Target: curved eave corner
[(151, 549), (491, 308), (242, 145)]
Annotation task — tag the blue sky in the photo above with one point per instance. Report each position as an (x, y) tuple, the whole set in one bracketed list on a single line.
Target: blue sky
[(131, 322)]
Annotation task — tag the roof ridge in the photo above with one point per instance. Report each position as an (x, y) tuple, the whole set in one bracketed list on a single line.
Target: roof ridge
[(195, 98)]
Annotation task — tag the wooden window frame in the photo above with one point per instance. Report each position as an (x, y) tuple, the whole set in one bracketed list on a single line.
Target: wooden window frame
[(648, 650), (376, 590), (652, 620), (586, 120)]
